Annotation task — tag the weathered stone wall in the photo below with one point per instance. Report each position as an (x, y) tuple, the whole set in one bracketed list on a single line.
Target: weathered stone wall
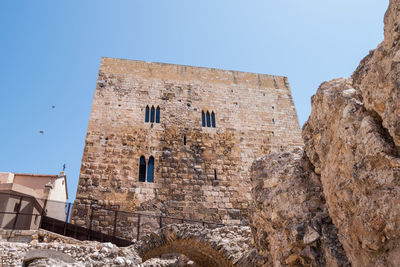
[(254, 113), (223, 246)]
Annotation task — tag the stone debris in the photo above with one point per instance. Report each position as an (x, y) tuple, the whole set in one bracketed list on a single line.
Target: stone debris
[(230, 246), (50, 249), (85, 253), (81, 254)]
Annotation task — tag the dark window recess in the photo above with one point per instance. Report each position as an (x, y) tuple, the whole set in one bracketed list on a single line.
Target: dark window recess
[(208, 119), (184, 140), (273, 121), (158, 115), (150, 170), (146, 119), (215, 174), (142, 169), (152, 114), (106, 140), (16, 207)]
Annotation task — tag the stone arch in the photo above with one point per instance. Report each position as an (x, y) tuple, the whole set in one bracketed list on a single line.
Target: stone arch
[(224, 246)]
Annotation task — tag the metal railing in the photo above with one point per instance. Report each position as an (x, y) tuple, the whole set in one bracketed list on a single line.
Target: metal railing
[(19, 212)]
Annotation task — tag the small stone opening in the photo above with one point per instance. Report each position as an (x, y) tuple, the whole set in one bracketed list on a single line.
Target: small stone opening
[(184, 140), (142, 169)]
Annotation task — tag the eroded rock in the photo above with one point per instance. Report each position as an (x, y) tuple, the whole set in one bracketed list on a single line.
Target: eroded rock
[(359, 167), (289, 218)]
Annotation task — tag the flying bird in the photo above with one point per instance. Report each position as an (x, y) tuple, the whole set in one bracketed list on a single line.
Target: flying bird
[(64, 167), (42, 132), (53, 106)]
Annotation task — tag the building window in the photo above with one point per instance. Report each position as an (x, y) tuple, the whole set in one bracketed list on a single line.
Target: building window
[(152, 114), (208, 120), (142, 169), (146, 119), (213, 119), (150, 170), (184, 140), (158, 115), (215, 174)]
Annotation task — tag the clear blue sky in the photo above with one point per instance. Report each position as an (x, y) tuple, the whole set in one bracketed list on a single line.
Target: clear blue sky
[(50, 54)]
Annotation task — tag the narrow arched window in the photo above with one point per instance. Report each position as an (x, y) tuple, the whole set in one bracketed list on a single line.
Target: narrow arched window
[(184, 140), (208, 119), (142, 169), (158, 115), (150, 170), (146, 119), (203, 119), (152, 114), (213, 119)]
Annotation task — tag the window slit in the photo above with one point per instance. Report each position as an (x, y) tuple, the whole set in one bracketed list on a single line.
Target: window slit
[(208, 119), (158, 115), (150, 170), (146, 119), (142, 169), (213, 119), (152, 114)]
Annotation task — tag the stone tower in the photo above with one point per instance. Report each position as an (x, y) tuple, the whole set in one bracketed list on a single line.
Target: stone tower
[(179, 140)]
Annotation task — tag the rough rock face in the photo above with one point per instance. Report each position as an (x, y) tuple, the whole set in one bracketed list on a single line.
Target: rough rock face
[(377, 77), (290, 219), (359, 167), (352, 143)]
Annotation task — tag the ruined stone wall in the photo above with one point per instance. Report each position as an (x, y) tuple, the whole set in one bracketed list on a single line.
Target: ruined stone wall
[(255, 115)]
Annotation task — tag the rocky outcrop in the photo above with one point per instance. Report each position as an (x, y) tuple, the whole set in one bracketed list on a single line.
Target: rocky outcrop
[(377, 77), (289, 217), (359, 167), (352, 152)]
